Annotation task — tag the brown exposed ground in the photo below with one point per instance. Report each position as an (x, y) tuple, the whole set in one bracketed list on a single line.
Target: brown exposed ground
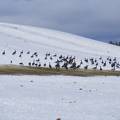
[(25, 70)]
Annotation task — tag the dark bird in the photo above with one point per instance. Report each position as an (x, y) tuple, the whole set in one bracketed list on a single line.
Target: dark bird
[(86, 67), (3, 53), (44, 65), (21, 63), (28, 52), (50, 65), (14, 52)]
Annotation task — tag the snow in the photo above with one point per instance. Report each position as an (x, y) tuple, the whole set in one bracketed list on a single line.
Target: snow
[(28, 38), (19, 36), (51, 97)]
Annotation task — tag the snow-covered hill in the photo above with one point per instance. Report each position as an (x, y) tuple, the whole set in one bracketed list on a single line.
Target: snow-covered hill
[(51, 97), (27, 38)]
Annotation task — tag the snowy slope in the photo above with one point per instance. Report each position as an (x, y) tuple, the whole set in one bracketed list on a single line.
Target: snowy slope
[(28, 38), (51, 97), (25, 37)]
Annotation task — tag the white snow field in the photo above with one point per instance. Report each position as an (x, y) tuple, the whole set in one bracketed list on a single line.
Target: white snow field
[(51, 97), (27, 38), (19, 37)]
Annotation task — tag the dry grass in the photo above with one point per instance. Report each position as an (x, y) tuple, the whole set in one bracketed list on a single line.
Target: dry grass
[(25, 70)]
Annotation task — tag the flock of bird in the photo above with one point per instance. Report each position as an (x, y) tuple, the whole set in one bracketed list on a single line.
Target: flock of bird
[(66, 62)]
